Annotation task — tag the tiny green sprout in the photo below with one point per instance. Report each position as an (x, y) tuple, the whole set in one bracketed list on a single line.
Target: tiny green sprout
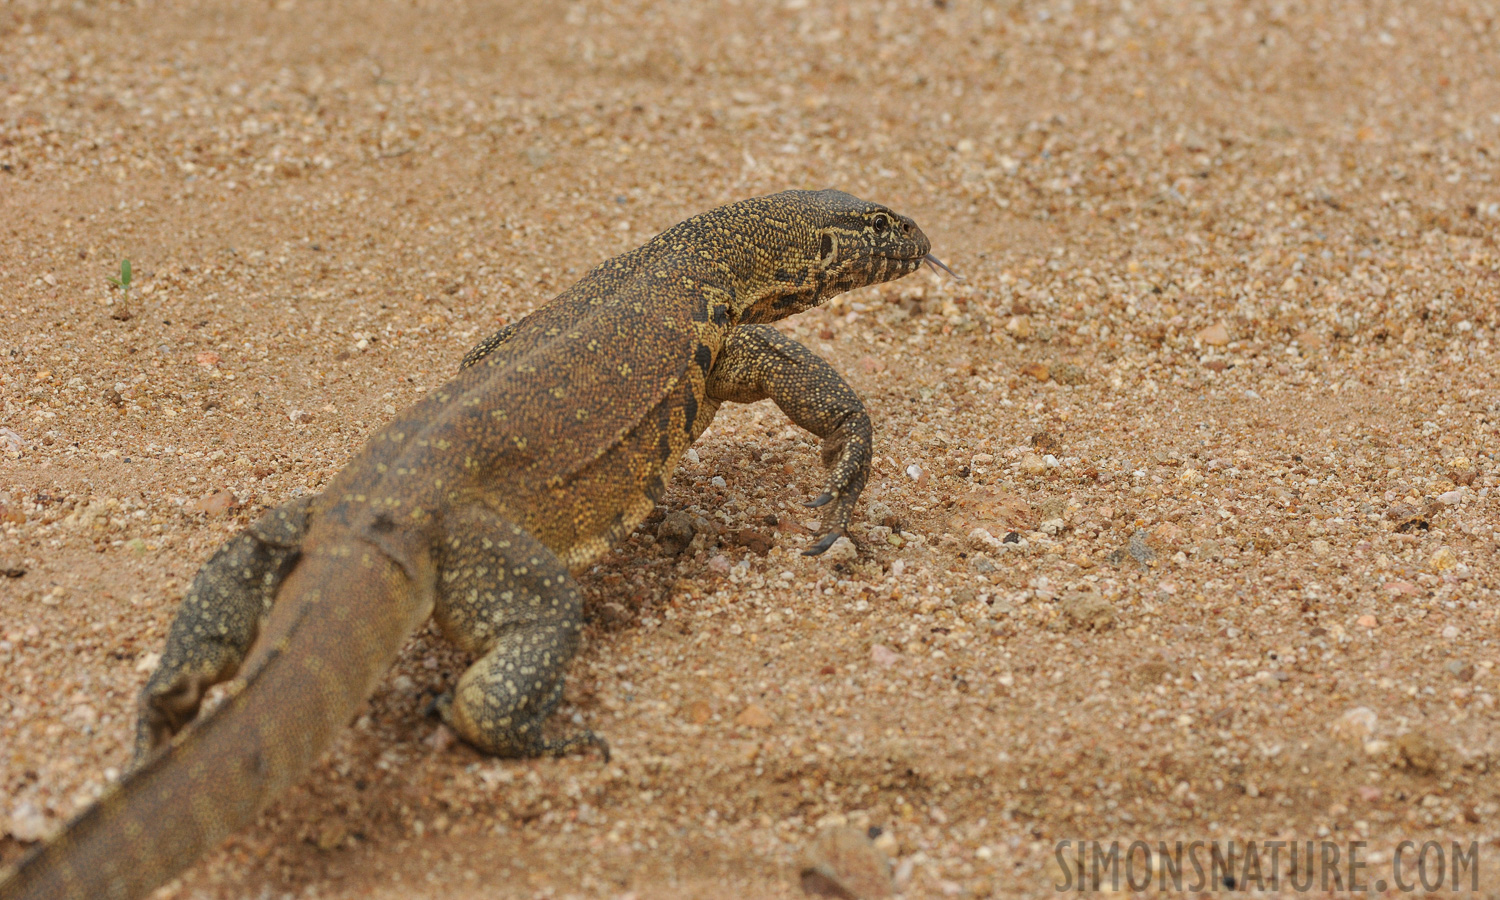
[(123, 281)]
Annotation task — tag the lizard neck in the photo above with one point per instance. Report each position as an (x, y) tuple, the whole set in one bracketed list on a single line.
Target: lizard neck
[(744, 251)]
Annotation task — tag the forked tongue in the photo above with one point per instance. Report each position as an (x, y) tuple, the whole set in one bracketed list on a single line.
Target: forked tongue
[(936, 264)]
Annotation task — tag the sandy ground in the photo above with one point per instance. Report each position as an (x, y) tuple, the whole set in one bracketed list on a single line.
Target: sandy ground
[(1223, 368)]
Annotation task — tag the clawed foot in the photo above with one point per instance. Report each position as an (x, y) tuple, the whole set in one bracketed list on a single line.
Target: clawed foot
[(826, 541), (582, 740), (836, 519), (166, 711), (526, 744)]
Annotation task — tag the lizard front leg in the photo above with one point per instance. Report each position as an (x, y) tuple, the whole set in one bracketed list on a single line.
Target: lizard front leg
[(218, 621), (756, 362)]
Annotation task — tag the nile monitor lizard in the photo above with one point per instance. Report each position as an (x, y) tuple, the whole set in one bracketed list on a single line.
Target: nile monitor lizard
[(474, 506)]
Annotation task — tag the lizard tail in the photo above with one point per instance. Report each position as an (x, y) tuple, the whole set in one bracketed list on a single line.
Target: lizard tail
[(344, 613)]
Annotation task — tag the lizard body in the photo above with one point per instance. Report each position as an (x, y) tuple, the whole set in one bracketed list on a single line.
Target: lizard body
[(474, 507)]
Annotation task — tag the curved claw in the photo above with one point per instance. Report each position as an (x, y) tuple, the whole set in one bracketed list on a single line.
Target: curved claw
[(437, 705), (828, 540), (822, 499)]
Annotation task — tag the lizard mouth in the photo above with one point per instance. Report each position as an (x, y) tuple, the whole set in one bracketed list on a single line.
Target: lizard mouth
[(916, 262)]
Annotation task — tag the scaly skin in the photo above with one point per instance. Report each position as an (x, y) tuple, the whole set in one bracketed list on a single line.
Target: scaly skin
[(552, 444)]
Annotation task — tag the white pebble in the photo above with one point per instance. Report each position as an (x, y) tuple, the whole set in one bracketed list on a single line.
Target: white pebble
[(1450, 632), (718, 481), (1451, 498), (1357, 724), (915, 471), (1050, 461), (843, 550), (692, 456)]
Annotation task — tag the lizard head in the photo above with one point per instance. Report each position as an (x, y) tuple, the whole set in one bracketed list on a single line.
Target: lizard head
[(824, 243)]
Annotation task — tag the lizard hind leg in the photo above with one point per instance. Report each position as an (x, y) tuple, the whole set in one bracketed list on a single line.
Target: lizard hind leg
[(218, 621), (505, 597)]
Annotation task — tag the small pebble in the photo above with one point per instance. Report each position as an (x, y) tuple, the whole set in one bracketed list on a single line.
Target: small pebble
[(1215, 335), (675, 532), (884, 656), (28, 824), (1424, 752), (843, 550), (1087, 610), (1442, 560), (698, 712), (441, 739), (1069, 373), (842, 862), (754, 716), (216, 504), (718, 481), (1167, 534), (1355, 726), (1039, 371), (1139, 549)]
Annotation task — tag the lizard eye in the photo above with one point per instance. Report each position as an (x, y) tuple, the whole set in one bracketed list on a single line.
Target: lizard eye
[(882, 223)]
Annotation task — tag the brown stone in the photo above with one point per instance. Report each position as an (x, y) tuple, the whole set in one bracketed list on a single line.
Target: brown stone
[(1215, 335), (1069, 373), (1039, 371), (1046, 442), (1087, 610), (1423, 752), (698, 712), (842, 862), (754, 541), (216, 504), (675, 532), (754, 716)]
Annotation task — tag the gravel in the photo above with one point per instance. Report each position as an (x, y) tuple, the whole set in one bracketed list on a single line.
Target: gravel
[(1237, 261)]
